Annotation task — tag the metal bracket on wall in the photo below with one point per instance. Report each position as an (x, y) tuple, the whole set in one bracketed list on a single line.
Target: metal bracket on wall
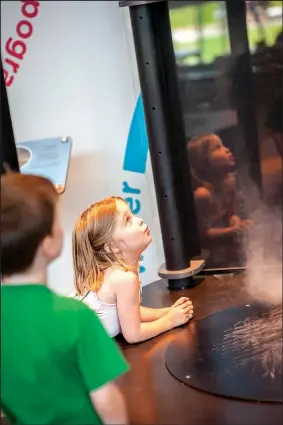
[(136, 3)]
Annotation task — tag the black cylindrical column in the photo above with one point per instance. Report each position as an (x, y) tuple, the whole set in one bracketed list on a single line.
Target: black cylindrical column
[(243, 92), (9, 158), (166, 135)]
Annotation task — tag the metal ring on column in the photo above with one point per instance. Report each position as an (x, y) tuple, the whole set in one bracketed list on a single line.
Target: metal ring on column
[(195, 267)]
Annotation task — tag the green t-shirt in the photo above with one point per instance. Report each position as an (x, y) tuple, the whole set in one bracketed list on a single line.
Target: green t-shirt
[(54, 352)]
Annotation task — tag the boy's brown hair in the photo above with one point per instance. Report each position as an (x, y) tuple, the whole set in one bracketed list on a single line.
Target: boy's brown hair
[(28, 208)]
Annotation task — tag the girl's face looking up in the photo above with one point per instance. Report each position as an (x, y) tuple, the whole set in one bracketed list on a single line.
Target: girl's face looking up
[(220, 157), (130, 233)]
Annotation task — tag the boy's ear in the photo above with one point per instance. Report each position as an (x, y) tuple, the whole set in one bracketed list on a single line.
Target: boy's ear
[(49, 248)]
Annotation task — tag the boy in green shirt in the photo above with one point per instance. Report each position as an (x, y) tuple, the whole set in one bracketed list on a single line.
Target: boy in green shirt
[(57, 361)]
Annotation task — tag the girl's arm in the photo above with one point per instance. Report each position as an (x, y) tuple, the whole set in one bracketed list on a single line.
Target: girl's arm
[(127, 291), (231, 187), (234, 220), (222, 233), (151, 314), (203, 202)]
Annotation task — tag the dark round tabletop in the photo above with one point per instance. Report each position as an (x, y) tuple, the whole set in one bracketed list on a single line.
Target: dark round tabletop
[(154, 396), (235, 353)]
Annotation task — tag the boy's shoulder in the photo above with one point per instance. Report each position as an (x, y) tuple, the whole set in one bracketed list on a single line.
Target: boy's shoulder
[(70, 304), (73, 313)]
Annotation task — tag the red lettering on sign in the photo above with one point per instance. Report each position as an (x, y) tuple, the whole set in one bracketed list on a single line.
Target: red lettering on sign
[(24, 29), (13, 64), (34, 8), (17, 48), (13, 49), (7, 78)]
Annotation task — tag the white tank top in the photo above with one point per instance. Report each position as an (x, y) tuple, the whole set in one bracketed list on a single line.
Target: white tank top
[(107, 313)]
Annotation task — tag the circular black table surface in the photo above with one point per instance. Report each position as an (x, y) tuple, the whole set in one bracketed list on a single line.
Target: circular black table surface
[(234, 353)]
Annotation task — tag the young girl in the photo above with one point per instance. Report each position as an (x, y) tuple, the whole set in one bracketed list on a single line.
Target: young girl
[(221, 230), (108, 241)]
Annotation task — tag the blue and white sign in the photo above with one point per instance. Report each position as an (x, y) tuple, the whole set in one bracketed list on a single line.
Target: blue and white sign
[(77, 75)]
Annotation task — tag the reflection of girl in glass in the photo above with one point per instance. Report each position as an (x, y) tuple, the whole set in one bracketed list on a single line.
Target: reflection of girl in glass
[(221, 230)]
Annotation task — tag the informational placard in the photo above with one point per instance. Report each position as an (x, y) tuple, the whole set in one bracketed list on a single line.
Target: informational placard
[(47, 158)]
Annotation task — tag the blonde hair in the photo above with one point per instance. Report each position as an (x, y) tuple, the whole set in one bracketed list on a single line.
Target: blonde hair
[(92, 245), (199, 151)]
